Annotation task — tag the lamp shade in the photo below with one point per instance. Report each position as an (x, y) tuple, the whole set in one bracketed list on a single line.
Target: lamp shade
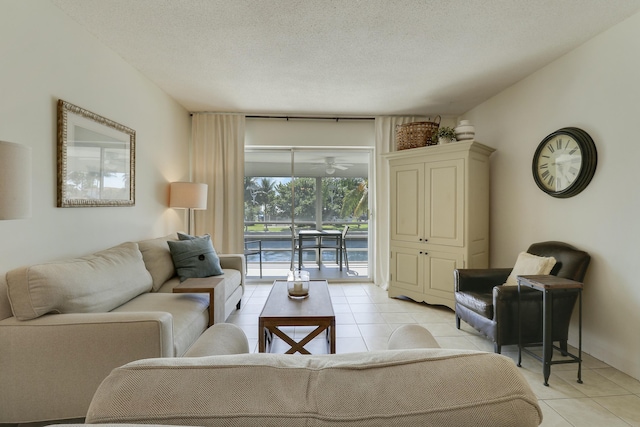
[(15, 181), (188, 195)]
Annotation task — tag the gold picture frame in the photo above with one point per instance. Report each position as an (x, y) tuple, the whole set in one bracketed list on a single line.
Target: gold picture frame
[(96, 159)]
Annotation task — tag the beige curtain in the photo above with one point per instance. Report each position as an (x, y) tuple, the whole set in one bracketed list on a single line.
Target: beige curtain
[(218, 160), (385, 143)]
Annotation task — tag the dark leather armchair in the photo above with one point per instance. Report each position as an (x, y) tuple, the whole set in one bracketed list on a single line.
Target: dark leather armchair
[(493, 309)]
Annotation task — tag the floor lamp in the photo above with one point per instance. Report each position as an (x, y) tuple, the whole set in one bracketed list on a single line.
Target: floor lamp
[(190, 196), (15, 181)]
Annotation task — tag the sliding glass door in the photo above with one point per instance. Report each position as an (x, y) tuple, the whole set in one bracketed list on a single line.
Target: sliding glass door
[(293, 189)]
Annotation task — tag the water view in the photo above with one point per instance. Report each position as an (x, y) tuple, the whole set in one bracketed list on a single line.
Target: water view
[(279, 250)]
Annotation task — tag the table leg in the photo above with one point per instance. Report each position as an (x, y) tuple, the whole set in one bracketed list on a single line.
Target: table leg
[(332, 337), (212, 312), (340, 251), (261, 337), (580, 336), (547, 335), (318, 243), (519, 329)]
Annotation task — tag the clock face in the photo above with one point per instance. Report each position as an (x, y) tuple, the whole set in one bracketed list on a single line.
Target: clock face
[(559, 163), (564, 162)]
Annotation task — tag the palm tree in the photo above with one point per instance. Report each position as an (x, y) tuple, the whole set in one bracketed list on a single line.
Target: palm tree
[(264, 194), (356, 201), (250, 204), (250, 187)]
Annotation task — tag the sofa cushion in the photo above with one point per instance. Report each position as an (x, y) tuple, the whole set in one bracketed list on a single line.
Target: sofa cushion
[(378, 388), (529, 264), (157, 259), (194, 256), (189, 311), (94, 283), (5, 305)]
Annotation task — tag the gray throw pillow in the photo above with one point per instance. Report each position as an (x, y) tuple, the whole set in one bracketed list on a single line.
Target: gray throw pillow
[(194, 256)]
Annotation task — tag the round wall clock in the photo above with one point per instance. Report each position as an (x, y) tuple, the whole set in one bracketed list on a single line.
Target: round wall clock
[(564, 162)]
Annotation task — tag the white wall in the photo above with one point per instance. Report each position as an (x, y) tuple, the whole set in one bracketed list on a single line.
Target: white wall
[(595, 87), (44, 56)]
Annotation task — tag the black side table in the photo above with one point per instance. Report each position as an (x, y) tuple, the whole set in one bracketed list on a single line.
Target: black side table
[(550, 285)]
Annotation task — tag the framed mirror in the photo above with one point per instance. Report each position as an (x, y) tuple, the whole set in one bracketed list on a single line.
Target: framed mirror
[(96, 159)]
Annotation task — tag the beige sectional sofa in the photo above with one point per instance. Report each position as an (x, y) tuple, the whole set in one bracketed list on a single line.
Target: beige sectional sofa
[(413, 383), (65, 325)]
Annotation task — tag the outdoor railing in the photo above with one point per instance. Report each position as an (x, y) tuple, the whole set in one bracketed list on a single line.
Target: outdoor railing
[(277, 239)]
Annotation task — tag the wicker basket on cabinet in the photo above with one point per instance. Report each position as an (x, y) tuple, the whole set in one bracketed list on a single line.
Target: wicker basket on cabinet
[(416, 134)]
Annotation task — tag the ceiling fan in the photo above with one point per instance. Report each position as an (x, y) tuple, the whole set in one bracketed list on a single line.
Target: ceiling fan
[(330, 165)]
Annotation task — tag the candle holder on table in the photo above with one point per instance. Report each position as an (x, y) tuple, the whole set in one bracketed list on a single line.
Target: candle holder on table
[(298, 284)]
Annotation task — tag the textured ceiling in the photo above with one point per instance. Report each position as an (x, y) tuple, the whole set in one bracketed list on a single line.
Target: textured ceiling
[(341, 57)]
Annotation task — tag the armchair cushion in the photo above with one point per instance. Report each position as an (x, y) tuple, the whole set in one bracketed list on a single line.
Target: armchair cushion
[(528, 264), (479, 302)]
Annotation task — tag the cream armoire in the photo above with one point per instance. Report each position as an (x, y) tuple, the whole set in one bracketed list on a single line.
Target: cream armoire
[(439, 215)]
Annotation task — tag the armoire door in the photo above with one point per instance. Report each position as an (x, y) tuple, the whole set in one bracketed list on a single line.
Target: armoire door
[(438, 273), (444, 202), (407, 202), (406, 269)]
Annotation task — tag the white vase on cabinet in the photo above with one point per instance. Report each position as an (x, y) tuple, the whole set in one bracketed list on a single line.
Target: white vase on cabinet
[(465, 131)]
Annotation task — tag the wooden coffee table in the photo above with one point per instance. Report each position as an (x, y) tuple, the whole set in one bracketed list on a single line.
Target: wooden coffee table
[(280, 310)]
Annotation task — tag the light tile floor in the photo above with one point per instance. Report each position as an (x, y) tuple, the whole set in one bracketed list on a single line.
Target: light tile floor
[(366, 316)]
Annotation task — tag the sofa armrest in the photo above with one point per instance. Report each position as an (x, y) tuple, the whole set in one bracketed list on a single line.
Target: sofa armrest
[(219, 339), (479, 280), (410, 337), (68, 356), (233, 261)]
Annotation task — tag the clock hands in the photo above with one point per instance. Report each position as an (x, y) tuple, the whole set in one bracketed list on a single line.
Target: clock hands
[(559, 171)]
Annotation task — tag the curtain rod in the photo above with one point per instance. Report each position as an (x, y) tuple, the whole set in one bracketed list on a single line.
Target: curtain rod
[(254, 116), (309, 118)]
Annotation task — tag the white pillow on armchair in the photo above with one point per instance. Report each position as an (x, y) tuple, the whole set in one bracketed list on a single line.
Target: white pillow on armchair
[(529, 264)]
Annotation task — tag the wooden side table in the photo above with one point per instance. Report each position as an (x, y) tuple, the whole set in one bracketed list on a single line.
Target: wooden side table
[(213, 286), (550, 285)]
